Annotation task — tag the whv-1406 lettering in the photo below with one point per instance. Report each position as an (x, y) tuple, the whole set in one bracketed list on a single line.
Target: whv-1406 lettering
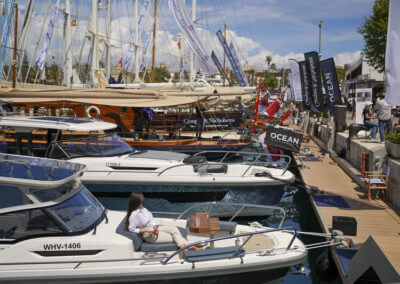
[(62, 246)]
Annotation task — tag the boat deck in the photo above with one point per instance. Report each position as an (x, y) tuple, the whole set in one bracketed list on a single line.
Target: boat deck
[(376, 217)]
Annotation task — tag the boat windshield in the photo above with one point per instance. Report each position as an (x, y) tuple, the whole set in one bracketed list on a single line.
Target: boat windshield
[(79, 212), (94, 146)]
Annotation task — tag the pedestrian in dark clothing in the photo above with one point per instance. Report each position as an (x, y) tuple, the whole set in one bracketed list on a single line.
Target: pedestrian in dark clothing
[(138, 120), (148, 115), (199, 120)]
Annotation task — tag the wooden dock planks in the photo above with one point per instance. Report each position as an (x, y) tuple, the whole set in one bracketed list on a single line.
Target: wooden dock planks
[(373, 218)]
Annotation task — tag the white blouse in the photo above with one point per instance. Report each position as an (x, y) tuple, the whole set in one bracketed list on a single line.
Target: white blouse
[(141, 219)]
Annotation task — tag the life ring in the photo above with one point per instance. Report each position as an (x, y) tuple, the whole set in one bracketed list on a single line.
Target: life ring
[(95, 108)]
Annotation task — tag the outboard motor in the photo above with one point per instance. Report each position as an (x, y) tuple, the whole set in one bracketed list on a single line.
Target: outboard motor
[(325, 266)]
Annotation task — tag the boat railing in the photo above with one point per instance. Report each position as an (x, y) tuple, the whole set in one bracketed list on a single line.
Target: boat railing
[(285, 159), (240, 208), (249, 235)]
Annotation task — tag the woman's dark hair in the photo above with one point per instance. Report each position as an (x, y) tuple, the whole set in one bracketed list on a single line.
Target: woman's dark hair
[(135, 200)]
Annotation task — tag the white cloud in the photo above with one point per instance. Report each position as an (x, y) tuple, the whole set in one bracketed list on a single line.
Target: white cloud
[(347, 57)]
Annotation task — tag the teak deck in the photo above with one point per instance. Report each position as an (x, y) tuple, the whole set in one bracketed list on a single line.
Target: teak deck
[(375, 217)]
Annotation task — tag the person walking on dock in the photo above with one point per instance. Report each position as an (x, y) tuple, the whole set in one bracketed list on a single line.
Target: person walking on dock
[(384, 116)]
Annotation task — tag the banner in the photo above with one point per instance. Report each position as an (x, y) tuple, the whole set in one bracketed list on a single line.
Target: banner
[(129, 60), (283, 138), (190, 34), (230, 58), (392, 63), (331, 83), (219, 66), (50, 28), (305, 85), (237, 62), (314, 74), (223, 121), (295, 83), (143, 59)]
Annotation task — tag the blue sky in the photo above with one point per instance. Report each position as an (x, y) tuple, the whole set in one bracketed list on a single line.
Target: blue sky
[(282, 29)]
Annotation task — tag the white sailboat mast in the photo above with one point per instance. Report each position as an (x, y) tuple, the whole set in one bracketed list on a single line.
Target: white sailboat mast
[(137, 43), (67, 44), (108, 40), (192, 58), (95, 42)]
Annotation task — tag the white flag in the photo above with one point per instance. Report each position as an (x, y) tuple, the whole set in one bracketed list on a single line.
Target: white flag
[(189, 31), (295, 83), (129, 60), (43, 53), (392, 62)]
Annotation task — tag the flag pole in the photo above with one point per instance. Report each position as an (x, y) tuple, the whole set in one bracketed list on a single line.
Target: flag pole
[(257, 102)]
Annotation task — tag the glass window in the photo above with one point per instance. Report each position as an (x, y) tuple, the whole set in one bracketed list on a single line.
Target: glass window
[(45, 195), (79, 212), (12, 196), (26, 224), (95, 146)]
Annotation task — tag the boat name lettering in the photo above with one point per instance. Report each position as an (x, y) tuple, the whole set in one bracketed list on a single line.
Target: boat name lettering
[(285, 138), (62, 246)]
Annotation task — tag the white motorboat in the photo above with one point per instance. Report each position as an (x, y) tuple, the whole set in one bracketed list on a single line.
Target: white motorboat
[(53, 230), (114, 169)]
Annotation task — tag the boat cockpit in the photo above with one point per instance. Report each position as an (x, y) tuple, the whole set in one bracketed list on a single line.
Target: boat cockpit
[(44, 198)]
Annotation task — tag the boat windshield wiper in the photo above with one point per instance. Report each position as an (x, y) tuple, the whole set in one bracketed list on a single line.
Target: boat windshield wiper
[(104, 214)]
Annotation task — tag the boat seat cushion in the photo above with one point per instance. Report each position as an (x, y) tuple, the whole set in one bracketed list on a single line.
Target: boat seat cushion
[(211, 169), (155, 247), (195, 160), (213, 254), (223, 225), (140, 245)]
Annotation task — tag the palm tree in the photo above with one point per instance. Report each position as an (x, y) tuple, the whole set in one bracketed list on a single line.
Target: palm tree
[(268, 59)]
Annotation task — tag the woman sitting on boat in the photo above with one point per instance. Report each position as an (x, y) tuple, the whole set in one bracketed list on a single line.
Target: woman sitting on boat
[(141, 221)]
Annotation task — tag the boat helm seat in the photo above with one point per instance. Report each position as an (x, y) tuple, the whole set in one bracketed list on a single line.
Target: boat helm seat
[(140, 245), (195, 160), (211, 169)]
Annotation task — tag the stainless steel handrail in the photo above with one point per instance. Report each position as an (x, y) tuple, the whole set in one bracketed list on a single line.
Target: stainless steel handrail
[(242, 206), (250, 234), (288, 162), (249, 164)]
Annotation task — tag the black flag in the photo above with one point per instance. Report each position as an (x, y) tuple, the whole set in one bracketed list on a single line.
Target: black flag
[(219, 66), (283, 138), (314, 75), (305, 85), (331, 83)]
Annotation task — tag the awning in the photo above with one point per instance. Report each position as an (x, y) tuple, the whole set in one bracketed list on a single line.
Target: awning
[(110, 97)]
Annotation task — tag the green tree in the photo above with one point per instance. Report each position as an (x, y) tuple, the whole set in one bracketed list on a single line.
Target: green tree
[(271, 83), (273, 66), (374, 30), (340, 74), (268, 59)]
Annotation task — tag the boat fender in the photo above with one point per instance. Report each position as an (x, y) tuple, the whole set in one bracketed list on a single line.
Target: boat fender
[(325, 266), (89, 109)]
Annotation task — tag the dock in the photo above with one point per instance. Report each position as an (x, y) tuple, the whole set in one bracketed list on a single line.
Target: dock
[(332, 176)]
